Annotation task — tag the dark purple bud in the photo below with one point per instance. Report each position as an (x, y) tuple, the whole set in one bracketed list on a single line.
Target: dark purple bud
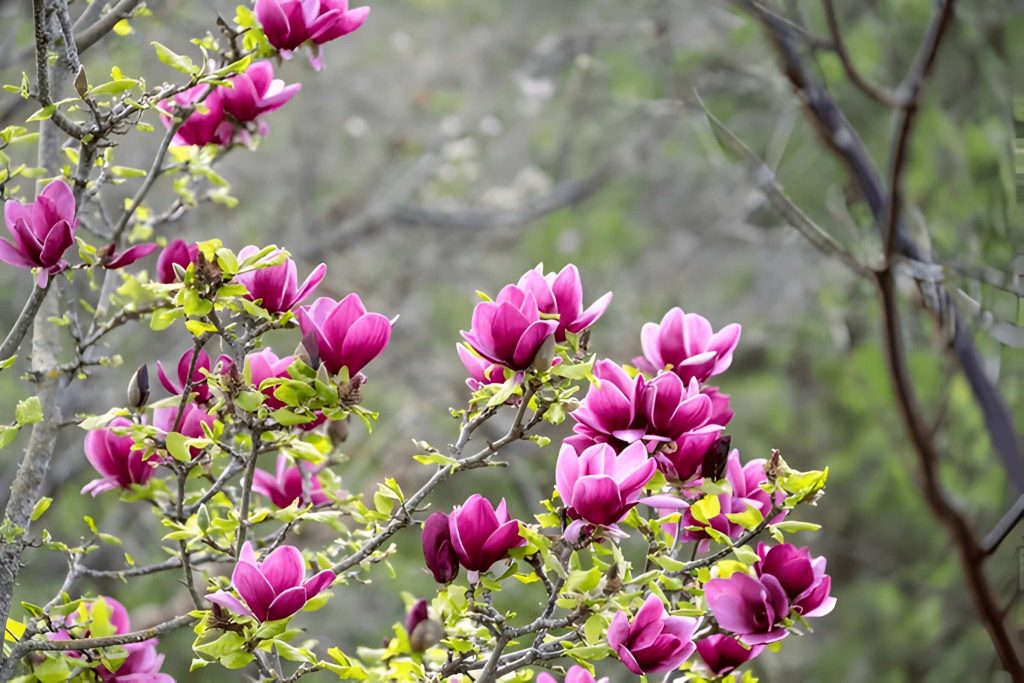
[(138, 388), (438, 551), (417, 614)]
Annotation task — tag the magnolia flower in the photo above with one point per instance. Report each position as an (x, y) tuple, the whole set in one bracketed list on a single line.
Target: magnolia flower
[(801, 576), (346, 335), (509, 331), (273, 589), (688, 344), (745, 484), (481, 371), (561, 294), (112, 456), (290, 23), (285, 486), (438, 551), (264, 365), (192, 421), (684, 458), (199, 384), (599, 486), (256, 92), (753, 609), (481, 535), (42, 231), (623, 409), (653, 642), (277, 286), (576, 674), (206, 125), (722, 654), (142, 665), (177, 252)]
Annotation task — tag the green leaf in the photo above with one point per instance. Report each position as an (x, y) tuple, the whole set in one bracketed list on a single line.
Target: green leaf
[(181, 63), (706, 509), (8, 434), (42, 505), (29, 411), (114, 87), (178, 448), (43, 114), (793, 526)]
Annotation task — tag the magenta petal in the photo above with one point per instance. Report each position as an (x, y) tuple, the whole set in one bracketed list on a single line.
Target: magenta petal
[(284, 568), (310, 284), (60, 237), (365, 341), (229, 601), (254, 588), (286, 604), (504, 538), (591, 315), (11, 255), (530, 342), (318, 582)]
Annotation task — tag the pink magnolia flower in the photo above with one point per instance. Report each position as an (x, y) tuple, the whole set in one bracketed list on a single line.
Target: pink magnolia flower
[(290, 23), (142, 664), (284, 487), (481, 535), (561, 294), (204, 126), (264, 365), (722, 654), (623, 409), (745, 482), (112, 456), (599, 486), (721, 413), (438, 551), (481, 371), (194, 417), (801, 576), (177, 252), (256, 92), (42, 231), (199, 384), (273, 589), (576, 674), (345, 334), (688, 344), (652, 642), (111, 260), (754, 609), (277, 286), (509, 331), (683, 459)]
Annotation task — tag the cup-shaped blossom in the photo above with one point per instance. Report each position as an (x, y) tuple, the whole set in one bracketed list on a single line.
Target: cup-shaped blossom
[(754, 609), (612, 410), (142, 665), (683, 459), (256, 92), (274, 588), (264, 365), (206, 125), (745, 484), (112, 456), (481, 534), (802, 577), (176, 386), (600, 486), (193, 418), (687, 342), (438, 551), (652, 642), (481, 371), (42, 230), (509, 331), (561, 294), (276, 287), (286, 486), (290, 23), (722, 654), (177, 252), (346, 335), (575, 674), (673, 408)]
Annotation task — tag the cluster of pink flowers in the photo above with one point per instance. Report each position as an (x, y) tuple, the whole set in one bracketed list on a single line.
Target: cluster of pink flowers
[(143, 661), (664, 416)]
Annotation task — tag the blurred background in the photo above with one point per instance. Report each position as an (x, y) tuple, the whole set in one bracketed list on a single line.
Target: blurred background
[(449, 145)]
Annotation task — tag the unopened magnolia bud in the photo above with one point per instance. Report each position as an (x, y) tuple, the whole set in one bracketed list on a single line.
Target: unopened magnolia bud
[(203, 518), (138, 389), (81, 83), (309, 350), (427, 634), (545, 355), (337, 431), (713, 466)]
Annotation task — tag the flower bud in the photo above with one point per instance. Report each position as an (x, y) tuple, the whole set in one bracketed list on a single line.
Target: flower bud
[(545, 355), (138, 389), (203, 518), (337, 431), (423, 631), (438, 552)]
